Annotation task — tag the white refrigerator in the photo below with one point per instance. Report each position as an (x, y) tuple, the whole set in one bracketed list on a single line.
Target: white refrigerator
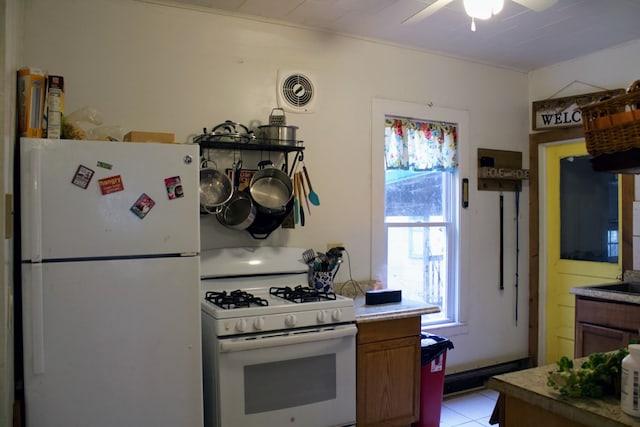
[(110, 245)]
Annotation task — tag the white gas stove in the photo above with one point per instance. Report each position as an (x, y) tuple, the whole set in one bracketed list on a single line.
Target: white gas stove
[(269, 360), (251, 290)]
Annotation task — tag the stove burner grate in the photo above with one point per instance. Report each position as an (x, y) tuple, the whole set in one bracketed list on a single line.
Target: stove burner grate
[(234, 299), (301, 294)]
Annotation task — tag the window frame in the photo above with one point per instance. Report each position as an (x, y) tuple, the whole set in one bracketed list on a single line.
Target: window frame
[(382, 108)]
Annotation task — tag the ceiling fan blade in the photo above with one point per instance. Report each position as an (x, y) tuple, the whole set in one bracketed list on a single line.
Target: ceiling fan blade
[(427, 11), (537, 5)]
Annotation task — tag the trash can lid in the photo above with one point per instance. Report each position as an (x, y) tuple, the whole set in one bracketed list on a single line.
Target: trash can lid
[(433, 346)]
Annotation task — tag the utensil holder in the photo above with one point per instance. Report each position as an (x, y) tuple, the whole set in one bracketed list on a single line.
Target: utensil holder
[(321, 281)]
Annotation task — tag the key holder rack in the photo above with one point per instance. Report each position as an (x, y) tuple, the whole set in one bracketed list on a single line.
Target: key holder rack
[(500, 170)]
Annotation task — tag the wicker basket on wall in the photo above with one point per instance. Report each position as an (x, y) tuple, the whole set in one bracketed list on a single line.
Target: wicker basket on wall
[(613, 125)]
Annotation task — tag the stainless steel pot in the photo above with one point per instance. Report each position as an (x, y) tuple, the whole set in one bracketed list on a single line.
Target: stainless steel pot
[(230, 131), (277, 135), (270, 188), (239, 212), (215, 188)]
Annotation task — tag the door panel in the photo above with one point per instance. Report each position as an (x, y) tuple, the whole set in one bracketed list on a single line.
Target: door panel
[(62, 220), (119, 343), (563, 273)]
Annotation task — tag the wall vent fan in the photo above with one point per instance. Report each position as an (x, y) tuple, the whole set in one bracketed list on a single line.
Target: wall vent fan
[(296, 91)]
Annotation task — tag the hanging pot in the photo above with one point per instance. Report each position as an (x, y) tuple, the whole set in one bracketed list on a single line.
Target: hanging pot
[(230, 131), (239, 212), (265, 223), (270, 188), (215, 188)]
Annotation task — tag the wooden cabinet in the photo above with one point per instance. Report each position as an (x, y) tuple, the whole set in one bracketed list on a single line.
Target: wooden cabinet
[(514, 412), (603, 325), (388, 372)]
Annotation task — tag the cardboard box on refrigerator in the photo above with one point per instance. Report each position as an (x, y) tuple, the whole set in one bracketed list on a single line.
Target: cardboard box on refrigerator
[(139, 136), (31, 97), (54, 107)]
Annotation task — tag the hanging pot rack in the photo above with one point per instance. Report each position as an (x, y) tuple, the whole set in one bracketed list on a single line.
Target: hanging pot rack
[(214, 142)]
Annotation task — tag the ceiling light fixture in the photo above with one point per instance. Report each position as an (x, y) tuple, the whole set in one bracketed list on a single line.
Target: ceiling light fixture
[(482, 9)]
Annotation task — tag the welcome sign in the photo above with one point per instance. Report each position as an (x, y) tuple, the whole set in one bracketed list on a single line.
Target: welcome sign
[(564, 112)]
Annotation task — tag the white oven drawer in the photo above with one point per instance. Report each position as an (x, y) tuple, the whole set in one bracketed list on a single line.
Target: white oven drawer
[(300, 378), (286, 338)]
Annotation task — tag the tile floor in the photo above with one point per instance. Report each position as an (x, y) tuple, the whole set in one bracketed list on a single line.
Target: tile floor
[(469, 409)]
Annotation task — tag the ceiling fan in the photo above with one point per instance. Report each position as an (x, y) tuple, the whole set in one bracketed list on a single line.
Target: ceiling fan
[(536, 5)]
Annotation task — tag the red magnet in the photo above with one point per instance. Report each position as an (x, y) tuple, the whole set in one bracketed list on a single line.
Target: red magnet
[(111, 184), (174, 187)]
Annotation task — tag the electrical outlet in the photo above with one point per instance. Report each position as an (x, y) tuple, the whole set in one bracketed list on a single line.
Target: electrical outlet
[(334, 245)]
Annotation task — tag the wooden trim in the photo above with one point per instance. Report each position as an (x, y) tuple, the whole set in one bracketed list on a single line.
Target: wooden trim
[(627, 182), (628, 194)]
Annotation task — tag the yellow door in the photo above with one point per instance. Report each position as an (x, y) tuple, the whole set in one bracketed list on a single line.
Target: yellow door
[(567, 264)]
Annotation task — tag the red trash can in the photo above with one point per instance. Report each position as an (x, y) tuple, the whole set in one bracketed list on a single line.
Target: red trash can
[(434, 356)]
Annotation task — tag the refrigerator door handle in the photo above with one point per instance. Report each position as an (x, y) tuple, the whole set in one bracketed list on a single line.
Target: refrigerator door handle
[(37, 318), (36, 204)]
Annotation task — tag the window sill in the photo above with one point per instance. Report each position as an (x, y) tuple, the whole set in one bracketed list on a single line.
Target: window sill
[(447, 329)]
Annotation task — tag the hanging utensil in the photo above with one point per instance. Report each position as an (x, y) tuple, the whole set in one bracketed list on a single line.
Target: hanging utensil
[(296, 198), (313, 197), (297, 180), (304, 191), (517, 245), (501, 241), (293, 166)]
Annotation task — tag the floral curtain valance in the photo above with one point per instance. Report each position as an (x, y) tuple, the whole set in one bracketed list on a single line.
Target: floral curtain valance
[(420, 145)]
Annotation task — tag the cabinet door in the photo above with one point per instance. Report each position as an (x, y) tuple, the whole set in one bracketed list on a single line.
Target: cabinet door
[(388, 382), (597, 339)]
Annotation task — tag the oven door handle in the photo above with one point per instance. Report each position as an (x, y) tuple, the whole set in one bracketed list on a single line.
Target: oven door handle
[(290, 339)]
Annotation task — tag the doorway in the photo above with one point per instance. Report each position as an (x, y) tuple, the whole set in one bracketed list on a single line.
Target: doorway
[(536, 241), (581, 230)]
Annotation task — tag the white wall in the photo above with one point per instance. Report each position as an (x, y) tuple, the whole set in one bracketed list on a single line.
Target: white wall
[(159, 68), (607, 69)]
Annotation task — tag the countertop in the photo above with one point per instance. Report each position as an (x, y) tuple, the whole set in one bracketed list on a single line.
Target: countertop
[(586, 291), (396, 310), (530, 385), (628, 276)]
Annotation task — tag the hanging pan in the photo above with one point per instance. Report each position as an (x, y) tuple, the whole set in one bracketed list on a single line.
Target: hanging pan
[(215, 188), (239, 212), (264, 223), (271, 189)]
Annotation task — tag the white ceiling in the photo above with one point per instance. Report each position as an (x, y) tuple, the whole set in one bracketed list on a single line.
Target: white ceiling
[(518, 38)]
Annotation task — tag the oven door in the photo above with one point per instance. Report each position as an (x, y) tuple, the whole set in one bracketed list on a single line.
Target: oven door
[(295, 378)]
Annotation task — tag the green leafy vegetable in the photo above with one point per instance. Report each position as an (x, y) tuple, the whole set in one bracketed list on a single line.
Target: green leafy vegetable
[(599, 375)]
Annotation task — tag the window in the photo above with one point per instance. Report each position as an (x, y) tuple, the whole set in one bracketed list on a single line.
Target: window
[(592, 237), (415, 215)]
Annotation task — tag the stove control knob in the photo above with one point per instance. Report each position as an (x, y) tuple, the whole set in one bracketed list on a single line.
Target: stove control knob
[(258, 324), (241, 325), (322, 316), (336, 315), (290, 320)]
